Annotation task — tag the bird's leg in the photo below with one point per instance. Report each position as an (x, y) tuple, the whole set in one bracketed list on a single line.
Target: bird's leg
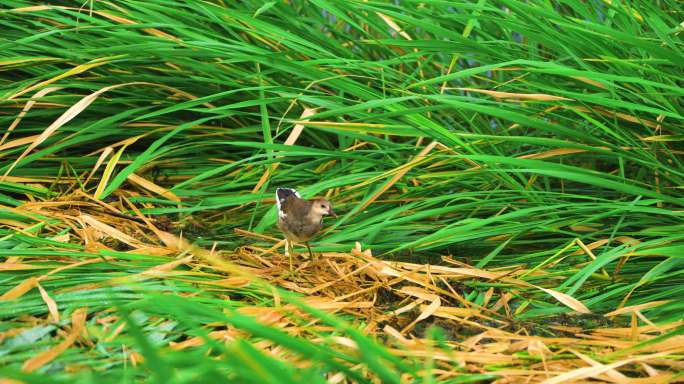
[(311, 255), (288, 254)]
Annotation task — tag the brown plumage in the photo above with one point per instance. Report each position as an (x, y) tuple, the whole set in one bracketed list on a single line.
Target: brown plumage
[(300, 219)]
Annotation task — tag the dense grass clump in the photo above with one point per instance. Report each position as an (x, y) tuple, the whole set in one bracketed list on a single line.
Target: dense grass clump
[(529, 152)]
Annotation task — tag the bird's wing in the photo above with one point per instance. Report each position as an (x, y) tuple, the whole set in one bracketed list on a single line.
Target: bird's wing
[(298, 208), (285, 198)]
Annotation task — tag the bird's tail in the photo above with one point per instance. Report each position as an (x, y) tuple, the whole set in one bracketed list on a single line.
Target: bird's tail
[(282, 194)]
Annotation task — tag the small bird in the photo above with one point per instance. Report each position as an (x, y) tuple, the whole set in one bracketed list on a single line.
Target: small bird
[(300, 219)]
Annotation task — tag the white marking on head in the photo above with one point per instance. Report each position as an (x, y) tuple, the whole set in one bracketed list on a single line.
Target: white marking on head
[(321, 207)]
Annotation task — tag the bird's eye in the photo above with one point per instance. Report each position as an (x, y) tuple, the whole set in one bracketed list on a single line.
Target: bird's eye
[(322, 206)]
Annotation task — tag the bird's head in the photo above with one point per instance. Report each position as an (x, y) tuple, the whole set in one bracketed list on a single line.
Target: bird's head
[(322, 207)]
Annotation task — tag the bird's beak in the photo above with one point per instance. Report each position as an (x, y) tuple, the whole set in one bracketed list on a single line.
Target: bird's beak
[(331, 213)]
